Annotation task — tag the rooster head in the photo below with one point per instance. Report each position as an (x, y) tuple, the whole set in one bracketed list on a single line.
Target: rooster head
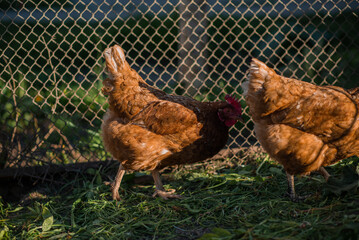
[(231, 113), (234, 102)]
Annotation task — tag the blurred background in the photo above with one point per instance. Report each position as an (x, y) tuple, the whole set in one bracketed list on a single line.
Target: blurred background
[(51, 64)]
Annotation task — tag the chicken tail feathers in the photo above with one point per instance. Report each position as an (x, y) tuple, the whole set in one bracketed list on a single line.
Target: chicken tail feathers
[(264, 90), (115, 60), (259, 72), (256, 76)]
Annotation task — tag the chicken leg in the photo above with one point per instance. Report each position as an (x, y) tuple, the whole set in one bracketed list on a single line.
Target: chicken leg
[(115, 185), (160, 191), (291, 190), (291, 187), (324, 173)]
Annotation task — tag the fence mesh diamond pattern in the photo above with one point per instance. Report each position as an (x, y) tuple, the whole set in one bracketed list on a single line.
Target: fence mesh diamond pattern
[(51, 65)]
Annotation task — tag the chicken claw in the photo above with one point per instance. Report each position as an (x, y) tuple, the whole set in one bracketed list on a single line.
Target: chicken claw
[(160, 191), (115, 194), (166, 195), (115, 185), (296, 198)]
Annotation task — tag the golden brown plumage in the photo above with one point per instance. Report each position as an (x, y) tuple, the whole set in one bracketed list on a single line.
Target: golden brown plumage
[(147, 129), (302, 126)]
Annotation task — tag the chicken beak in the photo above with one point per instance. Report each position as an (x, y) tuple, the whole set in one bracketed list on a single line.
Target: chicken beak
[(238, 117)]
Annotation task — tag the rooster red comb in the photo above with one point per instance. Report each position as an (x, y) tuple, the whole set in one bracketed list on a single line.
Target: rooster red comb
[(234, 102)]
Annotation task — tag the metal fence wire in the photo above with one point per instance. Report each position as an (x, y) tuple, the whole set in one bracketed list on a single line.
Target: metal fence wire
[(51, 64)]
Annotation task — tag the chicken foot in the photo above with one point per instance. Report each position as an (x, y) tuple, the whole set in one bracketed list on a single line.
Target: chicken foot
[(291, 190), (160, 191), (115, 185)]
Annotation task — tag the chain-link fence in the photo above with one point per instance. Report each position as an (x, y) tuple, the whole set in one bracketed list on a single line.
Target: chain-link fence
[(51, 65)]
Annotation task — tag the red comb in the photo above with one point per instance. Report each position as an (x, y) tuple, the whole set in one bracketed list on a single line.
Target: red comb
[(234, 102)]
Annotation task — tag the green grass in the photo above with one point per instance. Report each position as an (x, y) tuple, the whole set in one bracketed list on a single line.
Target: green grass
[(222, 200)]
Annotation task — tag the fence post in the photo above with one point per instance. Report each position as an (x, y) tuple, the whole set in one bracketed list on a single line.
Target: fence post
[(193, 39)]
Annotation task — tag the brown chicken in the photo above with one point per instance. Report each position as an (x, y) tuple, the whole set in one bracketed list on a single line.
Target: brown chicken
[(302, 126), (147, 129)]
